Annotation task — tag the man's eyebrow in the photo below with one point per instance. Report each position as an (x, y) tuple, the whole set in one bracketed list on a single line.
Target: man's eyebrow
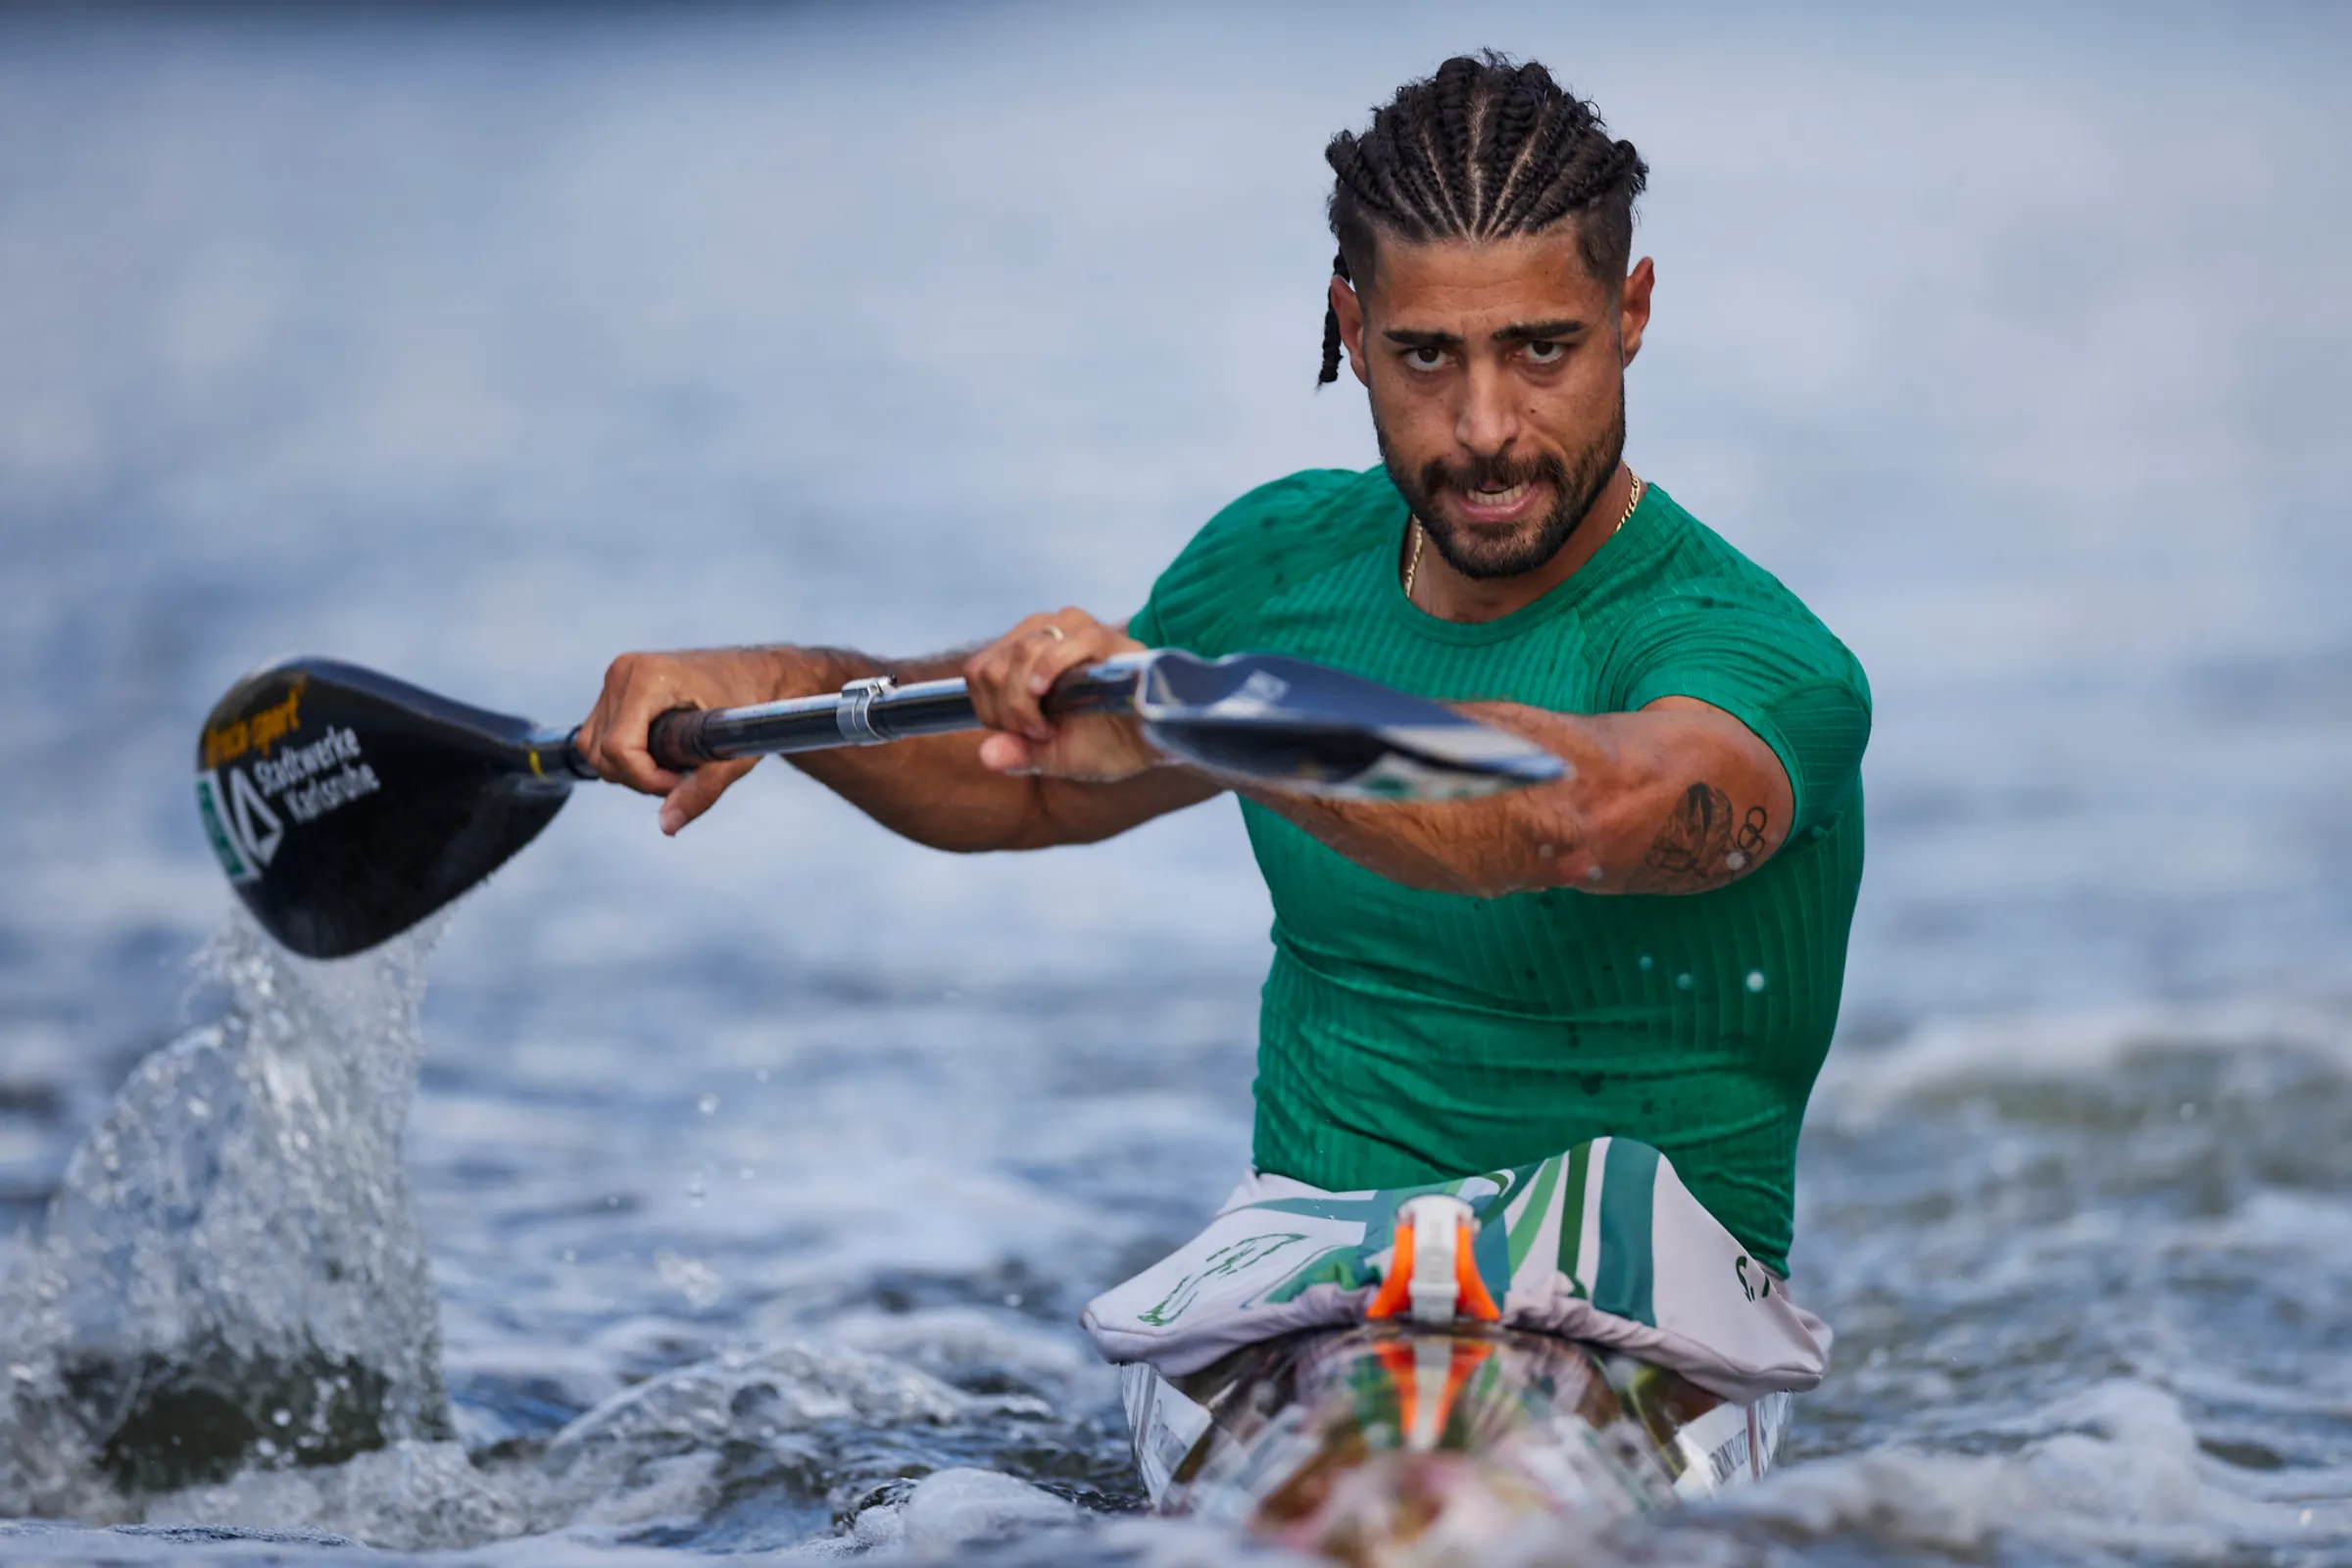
[(1516, 333), (1538, 331)]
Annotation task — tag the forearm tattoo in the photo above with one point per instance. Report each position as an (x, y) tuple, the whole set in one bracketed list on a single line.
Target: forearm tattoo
[(1703, 845)]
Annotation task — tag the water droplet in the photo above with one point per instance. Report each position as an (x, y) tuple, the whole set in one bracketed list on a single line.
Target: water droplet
[(1593, 872), (760, 1076), (613, 1201), (1545, 852), (198, 1108), (2304, 1517), (1646, 961), (1683, 982), (707, 1105), (1735, 861), (742, 1173), (2188, 1111), (1755, 979), (282, 1417), (1012, 1299), (571, 1257), (694, 1186), (691, 1277)]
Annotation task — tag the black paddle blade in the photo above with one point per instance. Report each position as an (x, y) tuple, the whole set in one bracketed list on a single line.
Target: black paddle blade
[(1316, 730), (346, 806)]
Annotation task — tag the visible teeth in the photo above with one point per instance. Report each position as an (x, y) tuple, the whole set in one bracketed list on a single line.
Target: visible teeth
[(1499, 498)]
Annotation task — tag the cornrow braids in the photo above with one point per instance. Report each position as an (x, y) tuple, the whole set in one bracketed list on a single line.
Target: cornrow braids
[(1331, 327), (1485, 149), (1511, 132)]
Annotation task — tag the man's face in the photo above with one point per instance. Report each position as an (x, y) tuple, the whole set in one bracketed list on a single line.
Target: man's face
[(1496, 374)]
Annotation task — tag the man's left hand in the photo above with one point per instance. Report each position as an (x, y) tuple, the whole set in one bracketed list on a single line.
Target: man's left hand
[(1009, 680)]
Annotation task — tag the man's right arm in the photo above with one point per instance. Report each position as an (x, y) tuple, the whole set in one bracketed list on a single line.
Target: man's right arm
[(934, 789)]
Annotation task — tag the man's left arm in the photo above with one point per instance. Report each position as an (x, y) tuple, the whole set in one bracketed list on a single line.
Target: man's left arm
[(1680, 795), (1678, 798)]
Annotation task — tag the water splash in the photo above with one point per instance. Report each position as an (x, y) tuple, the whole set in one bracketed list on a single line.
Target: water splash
[(229, 1325), (233, 1273)]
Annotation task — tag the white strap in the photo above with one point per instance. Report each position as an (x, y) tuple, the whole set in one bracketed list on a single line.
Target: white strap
[(1437, 1221)]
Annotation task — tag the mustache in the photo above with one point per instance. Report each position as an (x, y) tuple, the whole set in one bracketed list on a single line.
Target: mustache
[(1497, 473)]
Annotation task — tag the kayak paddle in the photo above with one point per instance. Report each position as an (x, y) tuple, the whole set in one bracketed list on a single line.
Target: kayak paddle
[(346, 806)]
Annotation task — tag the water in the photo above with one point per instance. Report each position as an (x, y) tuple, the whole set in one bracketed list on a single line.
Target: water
[(769, 1166), (230, 1266)]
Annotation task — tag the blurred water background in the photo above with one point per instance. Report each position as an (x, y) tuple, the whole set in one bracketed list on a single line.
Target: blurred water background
[(479, 345)]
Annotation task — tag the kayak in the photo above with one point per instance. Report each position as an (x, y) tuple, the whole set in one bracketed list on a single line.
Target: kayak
[(1397, 1443)]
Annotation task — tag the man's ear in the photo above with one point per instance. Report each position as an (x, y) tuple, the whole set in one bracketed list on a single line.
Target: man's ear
[(1351, 312), (1633, 310)]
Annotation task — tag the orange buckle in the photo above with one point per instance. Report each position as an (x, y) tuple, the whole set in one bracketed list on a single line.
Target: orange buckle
[(1436, 1283)]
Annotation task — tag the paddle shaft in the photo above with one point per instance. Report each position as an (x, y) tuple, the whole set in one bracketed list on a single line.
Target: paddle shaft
[(867, 712)]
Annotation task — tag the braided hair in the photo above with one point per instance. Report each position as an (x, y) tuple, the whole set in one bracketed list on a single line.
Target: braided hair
[(1484, 149)]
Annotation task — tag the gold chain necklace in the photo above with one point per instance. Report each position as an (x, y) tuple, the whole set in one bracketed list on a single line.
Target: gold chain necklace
[(1412, 567)]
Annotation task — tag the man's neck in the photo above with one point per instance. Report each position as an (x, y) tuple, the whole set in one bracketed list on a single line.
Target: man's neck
[(1447, 594)]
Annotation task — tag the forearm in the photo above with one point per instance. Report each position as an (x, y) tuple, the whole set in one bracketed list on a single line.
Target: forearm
[(1677, 799)]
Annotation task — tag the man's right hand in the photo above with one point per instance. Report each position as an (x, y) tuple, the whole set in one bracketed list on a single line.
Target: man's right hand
[(640, 688)]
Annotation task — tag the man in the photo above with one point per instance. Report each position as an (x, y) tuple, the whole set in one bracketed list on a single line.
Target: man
[(1651, 946)]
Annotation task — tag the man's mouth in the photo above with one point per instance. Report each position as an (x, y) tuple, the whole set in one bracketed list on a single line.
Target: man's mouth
[(1496, 505)]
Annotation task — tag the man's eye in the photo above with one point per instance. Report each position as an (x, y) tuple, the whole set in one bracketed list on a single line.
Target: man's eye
[(1544, 351), (1425, 359)]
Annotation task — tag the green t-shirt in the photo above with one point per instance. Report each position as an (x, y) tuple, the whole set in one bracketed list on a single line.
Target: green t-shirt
[(1410, 1036)]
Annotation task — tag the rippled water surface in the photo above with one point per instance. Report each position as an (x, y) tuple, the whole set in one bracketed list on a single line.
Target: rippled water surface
[(761, 1174)]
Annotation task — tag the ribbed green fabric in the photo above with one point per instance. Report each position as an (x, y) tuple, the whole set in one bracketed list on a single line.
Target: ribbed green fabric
[(1408, 1035)]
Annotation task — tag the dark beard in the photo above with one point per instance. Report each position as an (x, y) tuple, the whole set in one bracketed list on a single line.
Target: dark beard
[(1575, 489)]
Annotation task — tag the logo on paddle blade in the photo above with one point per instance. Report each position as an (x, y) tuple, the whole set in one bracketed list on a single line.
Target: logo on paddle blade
[(218, 833), (244, 832), (306, 782), (258, 826)]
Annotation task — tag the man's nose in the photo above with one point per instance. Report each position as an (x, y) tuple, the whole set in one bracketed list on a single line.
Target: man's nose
[(1488, 420)]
